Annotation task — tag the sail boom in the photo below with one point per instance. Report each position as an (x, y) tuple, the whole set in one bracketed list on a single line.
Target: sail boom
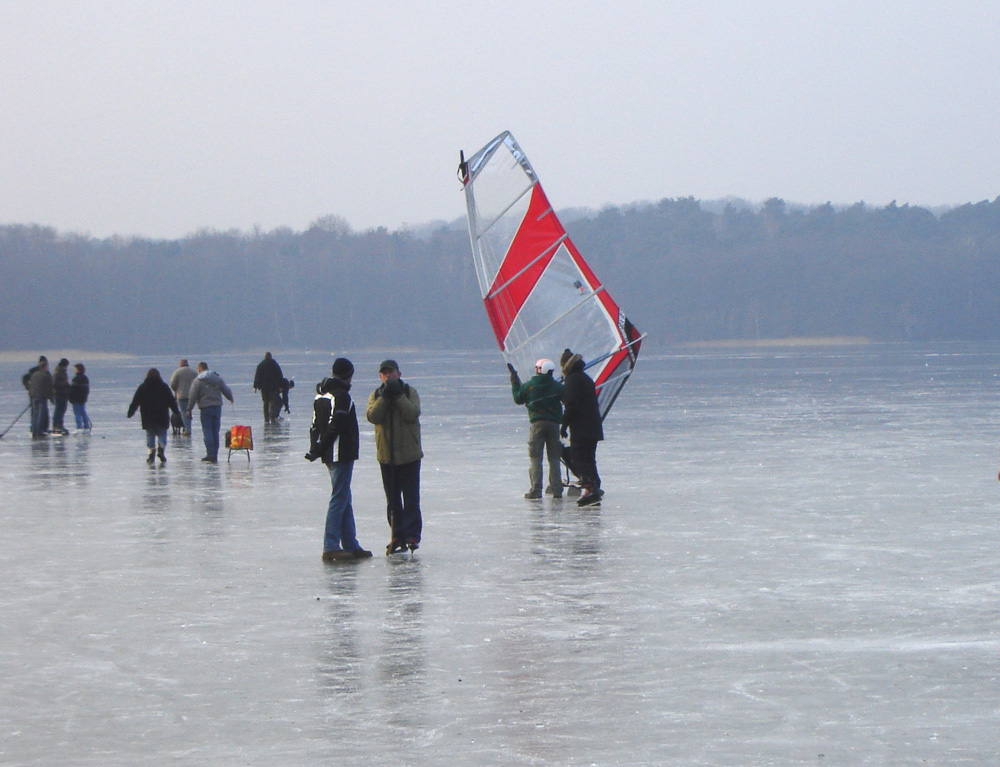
[(615, 351)]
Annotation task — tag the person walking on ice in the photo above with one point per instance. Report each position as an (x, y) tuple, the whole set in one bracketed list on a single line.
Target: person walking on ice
[(180, 382), (207, 391), (268, 380), (154, 401)]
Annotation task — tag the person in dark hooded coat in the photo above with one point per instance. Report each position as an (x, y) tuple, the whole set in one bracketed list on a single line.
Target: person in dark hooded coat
[(582, 420), (155, 401)]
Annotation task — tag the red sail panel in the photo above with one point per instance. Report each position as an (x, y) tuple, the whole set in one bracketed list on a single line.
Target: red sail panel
[(522, 267)]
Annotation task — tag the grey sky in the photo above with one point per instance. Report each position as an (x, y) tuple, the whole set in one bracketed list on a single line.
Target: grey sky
[(161, 118)]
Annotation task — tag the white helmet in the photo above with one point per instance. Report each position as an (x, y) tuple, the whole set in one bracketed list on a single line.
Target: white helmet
[(545, 366)]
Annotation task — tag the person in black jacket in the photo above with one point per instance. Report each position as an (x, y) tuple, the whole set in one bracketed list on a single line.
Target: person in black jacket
[(334, 439), (268, 380), (60, 387), (155, 401), (79, 392), (582, 419)]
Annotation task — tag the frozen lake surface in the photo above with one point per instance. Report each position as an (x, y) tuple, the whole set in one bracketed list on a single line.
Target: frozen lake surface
[(796, 563)]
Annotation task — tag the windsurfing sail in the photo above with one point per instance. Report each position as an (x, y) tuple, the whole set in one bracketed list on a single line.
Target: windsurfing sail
[(540, 295)]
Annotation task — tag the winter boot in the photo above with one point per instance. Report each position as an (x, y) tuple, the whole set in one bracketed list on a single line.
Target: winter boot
[(162, 457), (152, 457), (590, 497)]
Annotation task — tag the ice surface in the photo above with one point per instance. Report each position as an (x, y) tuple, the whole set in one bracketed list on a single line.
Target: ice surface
[(796, 563)]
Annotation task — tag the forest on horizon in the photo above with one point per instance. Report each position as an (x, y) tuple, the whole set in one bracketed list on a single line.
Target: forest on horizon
[(683, 270)]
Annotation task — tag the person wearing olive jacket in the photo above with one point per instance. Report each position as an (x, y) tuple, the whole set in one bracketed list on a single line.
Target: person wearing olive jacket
[(582, 418), (394, 409), (542, 395)]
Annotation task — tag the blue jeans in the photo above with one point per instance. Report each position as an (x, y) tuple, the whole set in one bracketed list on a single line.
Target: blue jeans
[(39, 416), (340, 527), (402, 500), (182, 403), (80, 413), (211, 423), (152, 435)]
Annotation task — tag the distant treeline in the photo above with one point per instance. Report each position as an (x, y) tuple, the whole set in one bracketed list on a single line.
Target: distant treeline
[(683, 270)]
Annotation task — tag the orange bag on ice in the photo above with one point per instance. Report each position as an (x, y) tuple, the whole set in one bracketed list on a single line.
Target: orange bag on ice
[(239, 438)]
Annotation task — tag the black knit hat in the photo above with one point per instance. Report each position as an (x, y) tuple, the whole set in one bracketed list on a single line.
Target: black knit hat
[(342, 367)]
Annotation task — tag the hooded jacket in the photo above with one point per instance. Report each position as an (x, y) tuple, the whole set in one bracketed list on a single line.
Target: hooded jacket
[(334, 434), (207, 390), (154, 401), (580, 411)]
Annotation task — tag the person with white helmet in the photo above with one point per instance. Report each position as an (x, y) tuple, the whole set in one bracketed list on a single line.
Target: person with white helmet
[(542, 395)]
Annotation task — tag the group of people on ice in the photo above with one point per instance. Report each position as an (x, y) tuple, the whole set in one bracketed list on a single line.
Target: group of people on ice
[(46, 387), (560, 409), (393, 408), (156, 401), (556, 409)]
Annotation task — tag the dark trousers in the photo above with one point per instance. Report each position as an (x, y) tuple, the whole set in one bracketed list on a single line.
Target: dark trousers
[(583, 457), (39, 416), (59, 413), (271, 399), (402, 496)]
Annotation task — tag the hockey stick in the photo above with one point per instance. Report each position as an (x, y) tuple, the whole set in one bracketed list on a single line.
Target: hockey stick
[(15, 421)]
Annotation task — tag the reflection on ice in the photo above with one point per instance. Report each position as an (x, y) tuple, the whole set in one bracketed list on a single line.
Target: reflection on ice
[(795, 564)]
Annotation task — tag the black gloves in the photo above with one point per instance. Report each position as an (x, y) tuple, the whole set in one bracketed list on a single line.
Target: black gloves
[(514, 377), (393, 389)]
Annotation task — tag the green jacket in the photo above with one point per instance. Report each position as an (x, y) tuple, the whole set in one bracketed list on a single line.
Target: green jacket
[(397, 426), (543, 396)]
